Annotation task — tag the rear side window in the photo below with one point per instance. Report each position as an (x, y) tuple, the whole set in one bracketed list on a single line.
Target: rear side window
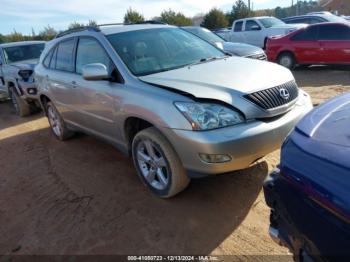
[(89, 52), (334, 32), (53, 59), (308, 34), (47, 59), (303, 20), (64, 59), (238, 26), (315, 20)]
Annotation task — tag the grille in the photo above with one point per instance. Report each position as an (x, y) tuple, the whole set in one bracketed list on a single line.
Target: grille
[(271, 98)]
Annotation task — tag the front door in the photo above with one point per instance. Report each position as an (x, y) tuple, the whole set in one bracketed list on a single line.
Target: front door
[(99, 98), (251, 33), (306, 46)]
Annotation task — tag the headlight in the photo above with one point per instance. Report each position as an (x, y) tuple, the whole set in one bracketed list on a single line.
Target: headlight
[(208, 116)]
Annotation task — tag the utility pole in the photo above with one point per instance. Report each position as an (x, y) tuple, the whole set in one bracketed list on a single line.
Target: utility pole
[(249, 5)]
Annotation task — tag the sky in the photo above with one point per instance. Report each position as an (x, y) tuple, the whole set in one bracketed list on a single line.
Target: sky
[(24, 15)]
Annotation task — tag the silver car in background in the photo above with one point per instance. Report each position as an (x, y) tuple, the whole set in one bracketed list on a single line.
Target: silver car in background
[(17, 62), (178, 105), (237, 49)]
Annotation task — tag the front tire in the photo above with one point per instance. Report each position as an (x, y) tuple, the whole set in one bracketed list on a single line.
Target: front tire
[(287, 60), (21, 107), (157, 164), (58, 127)]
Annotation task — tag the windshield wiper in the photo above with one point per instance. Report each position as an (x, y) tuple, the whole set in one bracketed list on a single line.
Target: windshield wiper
[(208, 59)]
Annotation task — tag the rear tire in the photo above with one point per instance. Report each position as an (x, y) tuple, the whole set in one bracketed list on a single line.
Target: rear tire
[(287, 60), (157, 164), (21, 107), (58, 127)]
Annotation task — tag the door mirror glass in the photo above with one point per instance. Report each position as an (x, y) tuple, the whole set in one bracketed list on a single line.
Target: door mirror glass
[(95, 72)]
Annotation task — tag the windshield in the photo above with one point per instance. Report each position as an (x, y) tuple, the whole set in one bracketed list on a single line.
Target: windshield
[(151, 51), (205, 34), (271, 22), (15, 54)]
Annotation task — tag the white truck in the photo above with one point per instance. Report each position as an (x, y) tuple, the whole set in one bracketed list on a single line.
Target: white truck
[(17, 62), (256, 30)]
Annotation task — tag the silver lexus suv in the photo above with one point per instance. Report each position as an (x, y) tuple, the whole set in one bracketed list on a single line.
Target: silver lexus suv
[(178, 105)]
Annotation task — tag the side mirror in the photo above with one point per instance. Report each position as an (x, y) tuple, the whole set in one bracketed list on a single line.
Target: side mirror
[(94, 72), (255, 28)]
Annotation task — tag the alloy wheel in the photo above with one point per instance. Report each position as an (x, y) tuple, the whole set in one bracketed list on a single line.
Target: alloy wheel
[(153, 164), (54, 121)]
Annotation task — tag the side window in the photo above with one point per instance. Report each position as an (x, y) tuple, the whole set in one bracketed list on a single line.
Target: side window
[(90, 51), (47, 59), (238, 26), (64, 58), (308, 34), (251, 25), (334, 32), (316, 20), (53, 59), (0, 57), (304, 20)]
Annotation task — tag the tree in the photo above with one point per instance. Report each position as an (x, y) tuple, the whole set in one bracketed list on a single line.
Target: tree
[(239, 10), (133, 16), (47, 33), (75, 25), (92, 23), (172, 18), (280, 12), (215, 19), (2, 39)]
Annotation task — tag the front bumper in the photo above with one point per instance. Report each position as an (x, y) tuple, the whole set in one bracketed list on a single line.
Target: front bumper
[(244, 143), (28, 90)]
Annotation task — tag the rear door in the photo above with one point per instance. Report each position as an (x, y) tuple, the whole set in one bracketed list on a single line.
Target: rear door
[(237, 32), (61, 80), (334, 42), (306, 47), (98, 98)]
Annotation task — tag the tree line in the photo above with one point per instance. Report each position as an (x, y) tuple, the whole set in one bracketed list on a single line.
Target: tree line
[(214, 19)]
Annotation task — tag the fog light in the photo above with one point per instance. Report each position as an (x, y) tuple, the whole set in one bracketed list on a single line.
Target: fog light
[(31, 91), (210, 158)]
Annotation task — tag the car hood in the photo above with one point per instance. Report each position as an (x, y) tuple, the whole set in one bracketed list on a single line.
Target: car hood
[(223, 79), (26, 65), (329, 123), (241, 49), (326, 131)]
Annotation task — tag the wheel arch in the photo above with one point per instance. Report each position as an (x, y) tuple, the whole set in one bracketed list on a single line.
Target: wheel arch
[(133, 125), (44, 99)]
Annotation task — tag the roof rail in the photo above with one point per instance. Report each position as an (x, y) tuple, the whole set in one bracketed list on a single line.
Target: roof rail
[(78, 29), (97, 29), (155, 22)]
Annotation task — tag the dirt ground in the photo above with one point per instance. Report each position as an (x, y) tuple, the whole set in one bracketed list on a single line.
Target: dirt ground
[(83, 197)]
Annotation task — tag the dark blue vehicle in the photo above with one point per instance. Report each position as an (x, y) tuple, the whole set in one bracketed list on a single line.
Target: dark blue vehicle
[(309, 194)]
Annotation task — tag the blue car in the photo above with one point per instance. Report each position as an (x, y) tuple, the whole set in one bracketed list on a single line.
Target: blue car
[(309, 194)]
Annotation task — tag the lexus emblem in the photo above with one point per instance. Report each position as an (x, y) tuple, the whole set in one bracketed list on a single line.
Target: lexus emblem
[(284, 93)]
